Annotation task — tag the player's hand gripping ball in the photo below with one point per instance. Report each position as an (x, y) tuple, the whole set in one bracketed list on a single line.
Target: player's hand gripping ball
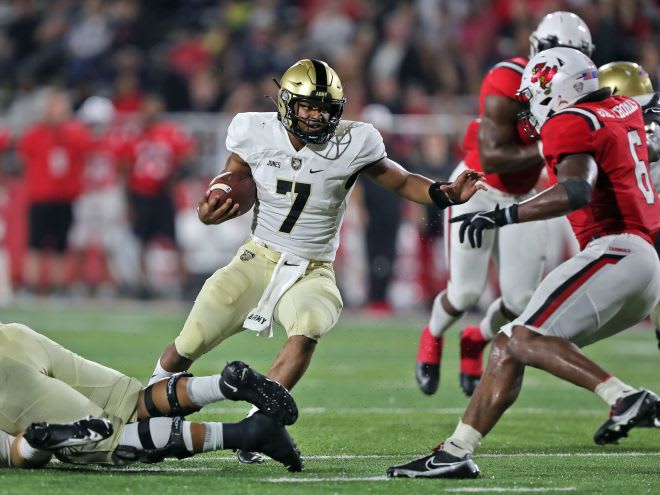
[(239, 187)]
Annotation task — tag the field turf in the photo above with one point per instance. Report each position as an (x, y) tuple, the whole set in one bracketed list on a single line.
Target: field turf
[(360, 413)]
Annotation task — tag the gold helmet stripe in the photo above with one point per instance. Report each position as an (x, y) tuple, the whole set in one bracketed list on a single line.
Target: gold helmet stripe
[(321, 76)]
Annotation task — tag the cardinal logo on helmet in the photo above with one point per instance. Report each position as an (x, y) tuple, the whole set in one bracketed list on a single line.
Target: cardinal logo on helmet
[(543, 74)]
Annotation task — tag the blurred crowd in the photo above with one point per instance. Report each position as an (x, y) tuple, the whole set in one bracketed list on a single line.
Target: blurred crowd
[(156, 60), (413, 56)]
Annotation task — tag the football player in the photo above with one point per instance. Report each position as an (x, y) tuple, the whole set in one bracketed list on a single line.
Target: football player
[(512, 163), (630, 79), (594, 145), (48, 389), (304, 160)]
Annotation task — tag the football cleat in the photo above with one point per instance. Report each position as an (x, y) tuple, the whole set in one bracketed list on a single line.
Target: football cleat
[(240, 382), (657, 336), (44, 436), (265, 435), (472, 345), (439, 464), (247, 457), (427, 368), (626, 413)]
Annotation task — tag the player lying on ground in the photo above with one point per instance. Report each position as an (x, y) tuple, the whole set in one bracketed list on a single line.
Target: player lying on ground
[(49, 388), (304, 160), (595, 145)]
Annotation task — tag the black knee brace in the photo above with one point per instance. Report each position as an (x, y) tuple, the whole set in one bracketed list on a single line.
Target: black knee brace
[(175, 446), (175, 407)]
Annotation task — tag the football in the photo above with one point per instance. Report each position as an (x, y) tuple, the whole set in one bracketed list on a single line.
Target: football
[(239, 187)]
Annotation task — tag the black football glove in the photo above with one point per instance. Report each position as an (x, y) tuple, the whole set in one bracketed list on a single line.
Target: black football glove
[(475, 223), (651, 110)]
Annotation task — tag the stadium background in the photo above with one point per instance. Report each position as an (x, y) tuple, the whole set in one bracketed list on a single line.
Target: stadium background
[(413, 68)]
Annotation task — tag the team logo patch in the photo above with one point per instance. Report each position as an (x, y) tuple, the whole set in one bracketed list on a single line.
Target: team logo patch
[(543, 74), (296, 163), (247, 255), (578, 87)]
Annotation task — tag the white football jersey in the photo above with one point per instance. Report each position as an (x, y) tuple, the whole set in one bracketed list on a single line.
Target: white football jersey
[(302, 195)]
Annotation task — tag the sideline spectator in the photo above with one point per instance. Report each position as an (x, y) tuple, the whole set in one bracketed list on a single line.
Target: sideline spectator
[(53, 153)]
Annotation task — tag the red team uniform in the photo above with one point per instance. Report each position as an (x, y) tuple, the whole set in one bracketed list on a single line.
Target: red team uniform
[(501, 80), (155, 156), (612, 283), (54, 158), (518, 250)]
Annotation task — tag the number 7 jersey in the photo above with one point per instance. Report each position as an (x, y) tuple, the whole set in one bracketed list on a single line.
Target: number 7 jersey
[(612, 131), (302, 195)]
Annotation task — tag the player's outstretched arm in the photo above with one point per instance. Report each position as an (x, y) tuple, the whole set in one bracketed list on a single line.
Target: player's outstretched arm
[(211, 213), (576, 176), (423, 190)]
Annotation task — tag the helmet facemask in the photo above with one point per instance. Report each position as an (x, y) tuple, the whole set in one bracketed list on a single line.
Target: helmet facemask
[(315, 84)]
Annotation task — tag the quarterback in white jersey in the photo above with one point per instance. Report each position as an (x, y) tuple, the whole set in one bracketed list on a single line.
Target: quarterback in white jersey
[(304, 160), (323, 175)]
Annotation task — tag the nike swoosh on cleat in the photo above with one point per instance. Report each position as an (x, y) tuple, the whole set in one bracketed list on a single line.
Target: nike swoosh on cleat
[(431, 464), (235, 389)]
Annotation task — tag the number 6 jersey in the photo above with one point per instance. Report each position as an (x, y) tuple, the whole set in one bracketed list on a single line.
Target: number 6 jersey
[(612, 131), (302, 195)]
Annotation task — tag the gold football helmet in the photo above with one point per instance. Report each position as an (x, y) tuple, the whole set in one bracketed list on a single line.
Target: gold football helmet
[(625, 78), (314, 81)]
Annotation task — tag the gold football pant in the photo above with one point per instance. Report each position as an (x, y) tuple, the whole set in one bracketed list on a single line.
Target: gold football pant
[(311, 307), (43, 381)]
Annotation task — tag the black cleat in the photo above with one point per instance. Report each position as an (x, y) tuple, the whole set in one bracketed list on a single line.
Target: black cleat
[(240, 382), (439, 464), (263, 434), (428, 377), (44, 436), (468, 383), (247, 457), (657, 336), (628, 412)]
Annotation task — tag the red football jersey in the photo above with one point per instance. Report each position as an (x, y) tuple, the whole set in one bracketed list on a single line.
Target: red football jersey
[(155, 154), (612, 131), (104, 159), (502, 80), (54, 158)]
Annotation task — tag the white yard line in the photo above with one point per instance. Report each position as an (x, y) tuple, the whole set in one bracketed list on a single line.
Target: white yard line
[(512, 489), (412, 410)]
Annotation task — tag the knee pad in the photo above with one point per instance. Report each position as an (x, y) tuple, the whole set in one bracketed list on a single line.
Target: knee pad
[(172, 398), (175, 446), (517, 301), (463, 298)]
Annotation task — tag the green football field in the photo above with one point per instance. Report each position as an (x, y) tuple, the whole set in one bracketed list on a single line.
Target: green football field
[(360, 413)]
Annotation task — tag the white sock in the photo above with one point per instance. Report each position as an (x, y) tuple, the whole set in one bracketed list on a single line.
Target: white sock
[(5, 448), (440, 320), (463, 441), (613, 389), (31, 454), (493, 320), (159, 374), (204, 390), (212, 437)]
